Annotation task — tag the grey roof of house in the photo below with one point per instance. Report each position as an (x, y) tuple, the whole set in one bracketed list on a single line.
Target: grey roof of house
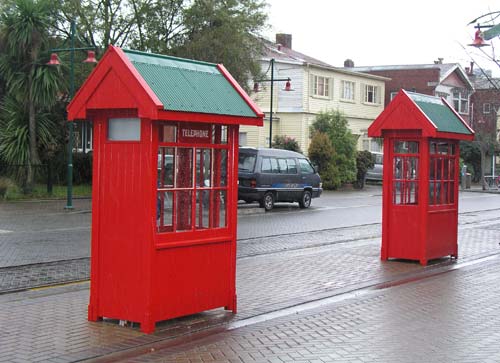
[(444, 69), (284, 54), (485, 83)]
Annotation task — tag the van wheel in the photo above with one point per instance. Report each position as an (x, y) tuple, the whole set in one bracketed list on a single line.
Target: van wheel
[(305, 201), (267, 201)]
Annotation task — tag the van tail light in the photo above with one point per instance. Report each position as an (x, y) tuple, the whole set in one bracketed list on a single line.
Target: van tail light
[(253, 183)]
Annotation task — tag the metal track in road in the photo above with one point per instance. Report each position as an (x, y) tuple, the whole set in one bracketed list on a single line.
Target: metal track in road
[(24, 277), (37, 275)]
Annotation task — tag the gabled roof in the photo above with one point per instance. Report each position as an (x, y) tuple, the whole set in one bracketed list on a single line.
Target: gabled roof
[(433, 116), (281, 53), (445, 69), (286, 55), (155, 83)]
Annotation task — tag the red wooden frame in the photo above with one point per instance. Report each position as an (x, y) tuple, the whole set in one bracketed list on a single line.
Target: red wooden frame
[(139, 273), (423, 230)]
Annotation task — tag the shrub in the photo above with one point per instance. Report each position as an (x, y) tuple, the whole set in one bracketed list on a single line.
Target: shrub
[(364, 161), (342, 165), (321, 152), (286, 143), (82, 168), (5, 184)]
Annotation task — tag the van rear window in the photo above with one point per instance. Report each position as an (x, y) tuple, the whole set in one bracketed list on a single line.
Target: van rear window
[(246, 162)]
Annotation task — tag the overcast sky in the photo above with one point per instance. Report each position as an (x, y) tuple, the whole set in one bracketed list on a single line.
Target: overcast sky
[(383, 32)]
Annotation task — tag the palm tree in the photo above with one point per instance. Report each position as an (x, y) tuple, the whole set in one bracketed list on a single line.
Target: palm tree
[(29, 83)]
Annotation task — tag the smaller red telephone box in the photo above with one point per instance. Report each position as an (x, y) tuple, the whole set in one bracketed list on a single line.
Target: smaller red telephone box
[(164, 192), (420, 181)]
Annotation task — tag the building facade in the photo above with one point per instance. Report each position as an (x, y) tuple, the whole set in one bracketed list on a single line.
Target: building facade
[(315, 87), (485, 112), (447, 80)]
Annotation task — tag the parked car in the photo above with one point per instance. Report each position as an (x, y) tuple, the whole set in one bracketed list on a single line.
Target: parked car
[(275, 175), (376, 173)]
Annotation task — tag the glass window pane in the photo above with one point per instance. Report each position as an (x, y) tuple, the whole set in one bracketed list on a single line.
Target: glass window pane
[(433, 148), (305, 167), (412, 193), (246, 162), (166, 167), (266, 165), (398, 164), (452, 192), (452, 169), (439, 168), (413, 168), (183, 203), (184, 166), (397, 192), (220, 166), (203, 168), (292, 166), (442, 148), (446, 169), (202, 209), (221, 198), (282, 166), (164, 211), (432, 193), (406, 147), (124, 129), (274, 165), (219, 134), (168, 133)]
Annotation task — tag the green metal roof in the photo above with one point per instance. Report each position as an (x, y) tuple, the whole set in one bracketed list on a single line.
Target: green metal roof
[(190, 86), (440, 114)]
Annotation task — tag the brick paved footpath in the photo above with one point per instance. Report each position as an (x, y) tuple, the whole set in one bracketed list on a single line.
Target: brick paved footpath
[(450, 317), (49, 325)]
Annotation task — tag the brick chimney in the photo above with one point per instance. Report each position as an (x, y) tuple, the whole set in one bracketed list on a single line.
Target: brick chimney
[(284, 39), (349, 63)]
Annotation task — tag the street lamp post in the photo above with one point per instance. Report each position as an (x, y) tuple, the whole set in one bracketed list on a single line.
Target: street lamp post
[(55, 61), (288, 88)]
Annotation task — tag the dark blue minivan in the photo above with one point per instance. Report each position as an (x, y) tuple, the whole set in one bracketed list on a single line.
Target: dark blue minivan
[(274, 175)]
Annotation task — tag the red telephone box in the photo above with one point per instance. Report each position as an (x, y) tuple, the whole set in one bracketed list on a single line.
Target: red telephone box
[(164, 191), (420, 182)]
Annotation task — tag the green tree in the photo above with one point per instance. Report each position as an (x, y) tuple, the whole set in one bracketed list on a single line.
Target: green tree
[(335, 125), (286, 143), (159, 24), (30, 86), (218, 31), (225, 31)]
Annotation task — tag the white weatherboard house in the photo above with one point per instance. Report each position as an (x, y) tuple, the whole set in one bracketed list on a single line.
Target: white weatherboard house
[(316, 86)]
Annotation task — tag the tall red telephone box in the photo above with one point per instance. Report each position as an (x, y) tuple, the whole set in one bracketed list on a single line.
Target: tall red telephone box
[(420, 181), (164, 191)]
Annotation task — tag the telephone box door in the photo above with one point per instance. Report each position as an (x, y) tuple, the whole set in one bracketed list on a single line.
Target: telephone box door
[(404, 213)]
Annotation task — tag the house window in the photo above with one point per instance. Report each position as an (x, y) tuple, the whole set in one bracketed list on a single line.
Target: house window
[(348, 90), (486, 108), (461, 102), (321, 86), (393, 94), (243, 139), (372, 94)]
